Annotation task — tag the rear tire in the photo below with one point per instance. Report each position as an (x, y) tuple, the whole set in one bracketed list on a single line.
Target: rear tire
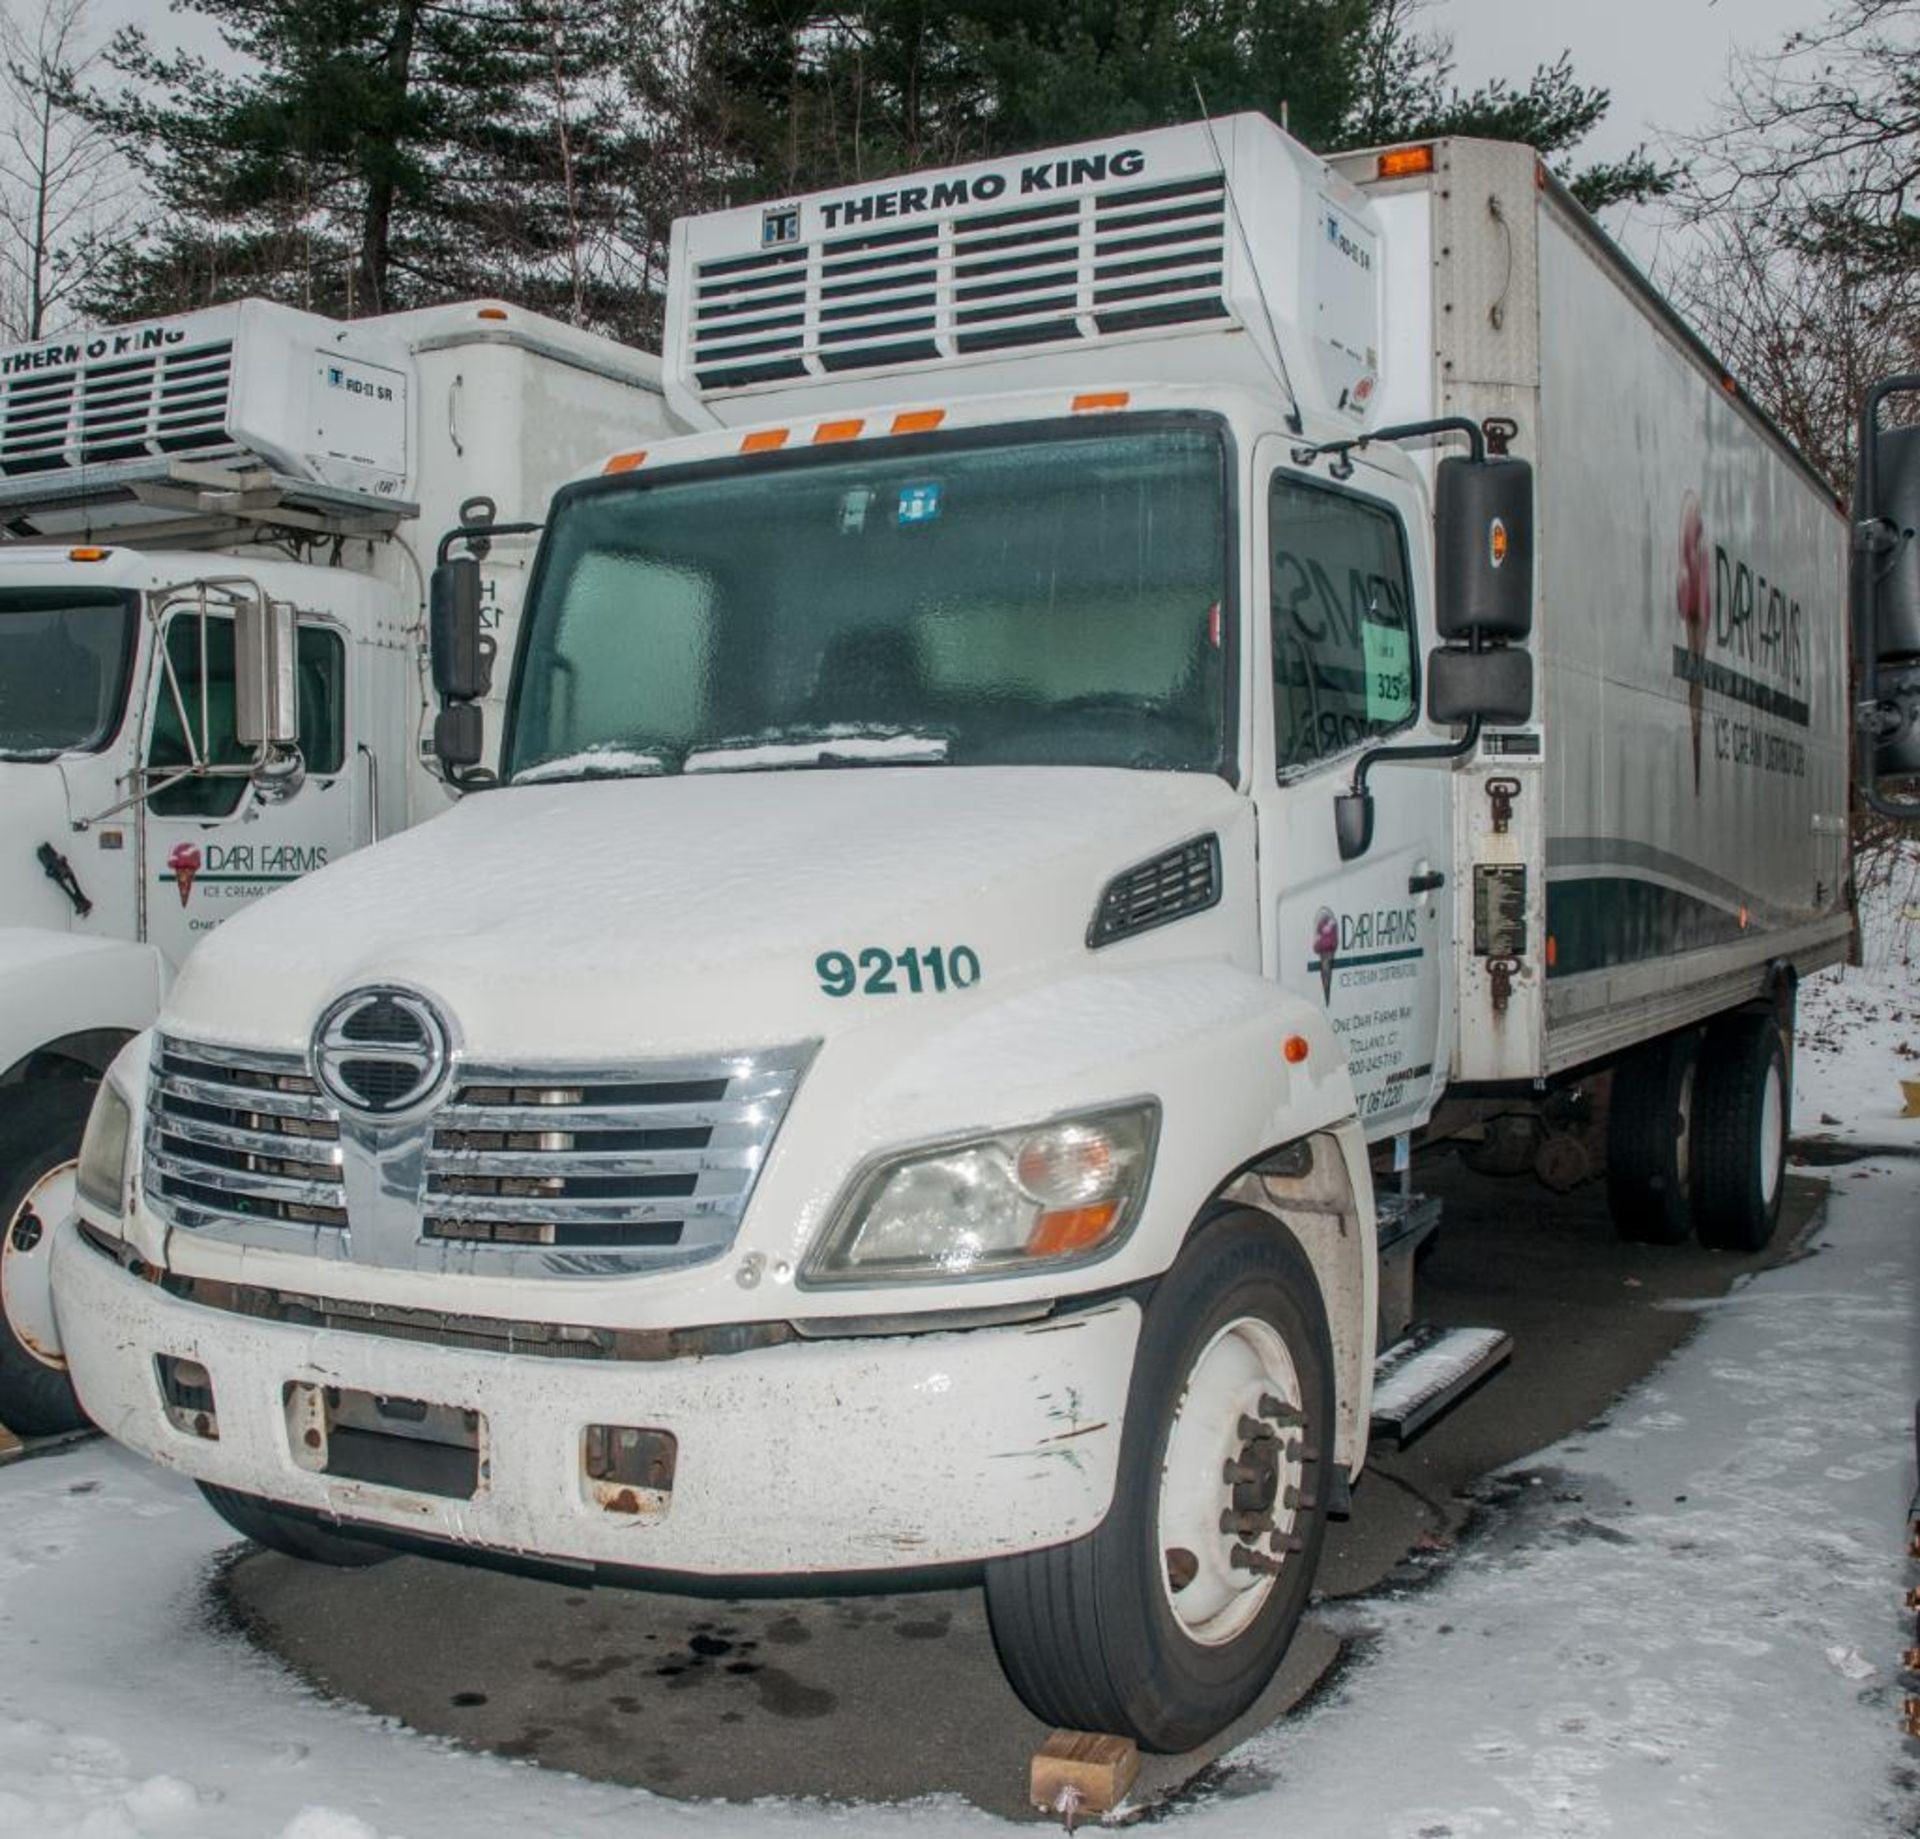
[(1145, 1627), (1649, 1141), (40, 1130), (1740, 1125), (291, 1533)]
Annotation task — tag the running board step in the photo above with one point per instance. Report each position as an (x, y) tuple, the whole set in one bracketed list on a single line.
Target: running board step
[(1429, 1371)]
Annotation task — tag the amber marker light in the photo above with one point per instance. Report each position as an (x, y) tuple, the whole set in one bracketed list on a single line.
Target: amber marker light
[(1295, 1048), (1071, 1229), (838, 431), (491, 313), (88, 555), (763, 440), (1101, 399), (918, 421), (1404, 162), (625, 462)]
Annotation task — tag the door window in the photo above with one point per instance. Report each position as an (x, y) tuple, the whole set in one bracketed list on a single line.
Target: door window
[(1343, 634), (207, 696)]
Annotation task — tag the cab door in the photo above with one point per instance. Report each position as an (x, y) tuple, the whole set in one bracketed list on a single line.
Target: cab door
[(212, 843), (1345, 572)]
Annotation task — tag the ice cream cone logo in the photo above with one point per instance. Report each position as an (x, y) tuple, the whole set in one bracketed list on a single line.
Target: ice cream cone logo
[(185, 863), (1695, 598), (1326, 942)]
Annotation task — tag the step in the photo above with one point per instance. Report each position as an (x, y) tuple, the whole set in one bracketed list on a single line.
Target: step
[(1429, 1371)]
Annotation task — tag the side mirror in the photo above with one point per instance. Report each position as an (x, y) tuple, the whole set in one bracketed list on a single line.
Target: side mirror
[(1483, 550), (1493, 686), (266, 695), (462, 653), (1886, 591), (459, 735)]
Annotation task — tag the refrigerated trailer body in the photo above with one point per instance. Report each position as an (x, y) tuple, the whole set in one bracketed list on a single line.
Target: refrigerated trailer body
[(999, 826)]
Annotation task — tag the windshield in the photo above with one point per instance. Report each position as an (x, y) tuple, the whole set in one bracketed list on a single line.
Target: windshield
[(1051, 599), (64, 657)]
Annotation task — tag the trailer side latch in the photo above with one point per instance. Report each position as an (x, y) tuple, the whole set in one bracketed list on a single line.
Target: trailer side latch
[(1500, 974), (1500, 794)]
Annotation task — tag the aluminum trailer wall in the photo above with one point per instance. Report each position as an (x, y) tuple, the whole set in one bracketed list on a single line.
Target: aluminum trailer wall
[(1680, 821)]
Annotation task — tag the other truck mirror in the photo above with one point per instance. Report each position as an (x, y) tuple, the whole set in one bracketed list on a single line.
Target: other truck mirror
[(1494, 685), (266, 699), (462, 652), (1886, 589)]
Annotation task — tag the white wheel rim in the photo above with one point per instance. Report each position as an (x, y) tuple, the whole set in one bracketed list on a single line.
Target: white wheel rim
[(1772, 1130), (1245, 1367), (25, 1293)]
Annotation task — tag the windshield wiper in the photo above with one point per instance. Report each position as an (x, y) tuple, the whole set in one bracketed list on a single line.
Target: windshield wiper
[(822, 750), (595, 763)]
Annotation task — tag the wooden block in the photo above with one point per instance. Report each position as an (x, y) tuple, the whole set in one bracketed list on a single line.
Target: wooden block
[(1082, 1772)]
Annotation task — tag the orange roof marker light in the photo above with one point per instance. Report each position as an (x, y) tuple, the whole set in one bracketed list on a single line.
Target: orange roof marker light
[(492, 313), (1404, 162), (626, 462), (88, 555), (1101, 399), (763, 440), (838, 431), (918, 421)]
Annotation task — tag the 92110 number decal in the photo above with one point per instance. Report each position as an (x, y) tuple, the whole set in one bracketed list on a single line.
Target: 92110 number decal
[(919, 970)]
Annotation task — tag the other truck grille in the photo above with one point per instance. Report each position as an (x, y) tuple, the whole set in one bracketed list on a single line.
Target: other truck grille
[(548, 1170), (1122, 260), (114, 404)]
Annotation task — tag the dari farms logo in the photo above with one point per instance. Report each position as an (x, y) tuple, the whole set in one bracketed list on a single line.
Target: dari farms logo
[(1326, 947), (1742, 636), (185, 861)]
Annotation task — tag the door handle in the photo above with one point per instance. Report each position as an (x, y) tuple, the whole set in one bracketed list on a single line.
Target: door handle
[(1427, 883)]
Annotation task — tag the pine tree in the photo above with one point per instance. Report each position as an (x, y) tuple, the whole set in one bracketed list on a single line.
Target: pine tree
[(370, 155)]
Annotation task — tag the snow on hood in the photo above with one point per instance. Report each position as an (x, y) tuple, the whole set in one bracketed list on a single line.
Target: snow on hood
[(664, 915)]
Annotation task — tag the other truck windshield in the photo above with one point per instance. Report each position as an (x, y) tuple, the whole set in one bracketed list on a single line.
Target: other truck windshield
[(1055, 599), (64, 656)]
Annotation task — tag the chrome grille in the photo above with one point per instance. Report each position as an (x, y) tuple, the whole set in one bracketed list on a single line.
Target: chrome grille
[(117, 407), (241, 1137), (1123, 260), (551, 1170)]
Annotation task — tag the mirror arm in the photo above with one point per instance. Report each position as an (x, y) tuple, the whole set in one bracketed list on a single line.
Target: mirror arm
[(477, 533)]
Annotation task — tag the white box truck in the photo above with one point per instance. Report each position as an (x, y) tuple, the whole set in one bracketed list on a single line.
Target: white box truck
[(180, 498), (998, 827)]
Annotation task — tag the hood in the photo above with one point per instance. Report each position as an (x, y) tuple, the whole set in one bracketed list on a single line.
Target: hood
[(644, 917), (33, 810)]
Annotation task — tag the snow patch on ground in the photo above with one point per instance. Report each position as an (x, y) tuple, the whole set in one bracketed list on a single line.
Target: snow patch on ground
[(1858, 1033)]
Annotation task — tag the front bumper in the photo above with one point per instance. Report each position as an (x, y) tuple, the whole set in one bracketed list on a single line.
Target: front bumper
[(900, 1452)]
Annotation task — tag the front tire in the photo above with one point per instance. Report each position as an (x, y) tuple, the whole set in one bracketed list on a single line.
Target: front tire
[(1740, 1128), (1169, 1619), (40, 1131), (293, 1534)]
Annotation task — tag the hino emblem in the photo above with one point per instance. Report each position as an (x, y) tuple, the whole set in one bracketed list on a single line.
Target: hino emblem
[(381, 1051)]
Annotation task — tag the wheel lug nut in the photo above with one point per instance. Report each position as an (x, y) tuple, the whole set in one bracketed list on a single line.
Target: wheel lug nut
[(1253, 1430), (1239, 1474), (1279, 1410), (1232, 1522), (1287, 1542), (1244, 1558)]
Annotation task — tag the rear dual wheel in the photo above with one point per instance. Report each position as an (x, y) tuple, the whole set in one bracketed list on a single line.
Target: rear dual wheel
[(1168, 1620)]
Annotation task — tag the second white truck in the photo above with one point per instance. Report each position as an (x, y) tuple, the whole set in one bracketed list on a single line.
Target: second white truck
[(202, 517), (998, 830)]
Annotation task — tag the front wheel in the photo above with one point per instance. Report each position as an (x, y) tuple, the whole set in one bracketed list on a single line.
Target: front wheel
[(1168, 1620), (40, 1131)]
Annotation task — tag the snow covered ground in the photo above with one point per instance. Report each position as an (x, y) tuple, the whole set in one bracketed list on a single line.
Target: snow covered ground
[(1858, 1034), (1682, 1622)]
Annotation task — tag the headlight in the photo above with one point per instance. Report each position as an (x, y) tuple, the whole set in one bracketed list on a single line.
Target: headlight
[(102, 1174), (986, 1205)]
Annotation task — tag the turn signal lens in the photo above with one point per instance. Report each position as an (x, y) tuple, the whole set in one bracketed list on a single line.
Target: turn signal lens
[(1294, 1049), (1072, 1229), (1404, 162)]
